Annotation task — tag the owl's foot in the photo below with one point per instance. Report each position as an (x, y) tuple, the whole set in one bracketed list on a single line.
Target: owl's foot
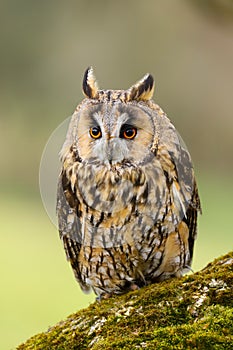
[(104, 296), (134, 286)]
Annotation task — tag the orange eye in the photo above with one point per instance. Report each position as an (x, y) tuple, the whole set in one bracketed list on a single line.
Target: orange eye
[(95, 132), (128, 132)]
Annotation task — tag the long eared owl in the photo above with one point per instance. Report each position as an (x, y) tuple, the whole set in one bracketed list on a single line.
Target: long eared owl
[(127, 196)]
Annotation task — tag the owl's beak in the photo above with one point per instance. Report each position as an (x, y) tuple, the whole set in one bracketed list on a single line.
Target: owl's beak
[(114, 154), (111, 137)]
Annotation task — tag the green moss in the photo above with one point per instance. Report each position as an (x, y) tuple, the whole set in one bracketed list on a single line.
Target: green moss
[(193, 312)]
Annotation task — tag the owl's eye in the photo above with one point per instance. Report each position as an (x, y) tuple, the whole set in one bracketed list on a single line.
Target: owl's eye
[(95, 132), (128, 132)]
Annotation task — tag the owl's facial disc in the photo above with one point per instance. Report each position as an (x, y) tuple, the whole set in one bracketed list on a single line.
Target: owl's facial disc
[(114, 134), (111, 149)]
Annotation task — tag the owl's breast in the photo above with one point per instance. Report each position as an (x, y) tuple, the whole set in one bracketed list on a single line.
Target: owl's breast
[(115, 189), (111, 191), (121, 202)]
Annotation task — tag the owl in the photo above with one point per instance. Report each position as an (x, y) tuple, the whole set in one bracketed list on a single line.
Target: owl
[(127, 199)]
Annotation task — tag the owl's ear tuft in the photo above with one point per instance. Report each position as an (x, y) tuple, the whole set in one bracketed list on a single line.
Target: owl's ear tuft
[(90, 86), (143, 90)]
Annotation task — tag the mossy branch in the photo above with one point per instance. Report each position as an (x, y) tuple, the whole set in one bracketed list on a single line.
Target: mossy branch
[(192, 312)]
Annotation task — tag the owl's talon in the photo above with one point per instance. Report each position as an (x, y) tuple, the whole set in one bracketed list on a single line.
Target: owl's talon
[(103, 296), (134, 287)]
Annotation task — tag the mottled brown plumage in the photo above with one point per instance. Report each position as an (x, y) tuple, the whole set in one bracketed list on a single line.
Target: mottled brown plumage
[(127, 197)]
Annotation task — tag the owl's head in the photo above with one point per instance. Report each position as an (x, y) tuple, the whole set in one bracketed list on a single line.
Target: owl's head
[(113, 126)]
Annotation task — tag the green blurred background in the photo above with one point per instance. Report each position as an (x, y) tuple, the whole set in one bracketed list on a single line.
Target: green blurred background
[(45, 48)]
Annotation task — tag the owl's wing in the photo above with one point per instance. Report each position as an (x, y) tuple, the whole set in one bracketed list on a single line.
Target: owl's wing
[(180, 180), (191, 218), (70, 226)]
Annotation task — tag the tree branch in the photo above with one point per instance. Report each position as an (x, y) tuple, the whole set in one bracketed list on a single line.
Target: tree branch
[(192, 312)]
